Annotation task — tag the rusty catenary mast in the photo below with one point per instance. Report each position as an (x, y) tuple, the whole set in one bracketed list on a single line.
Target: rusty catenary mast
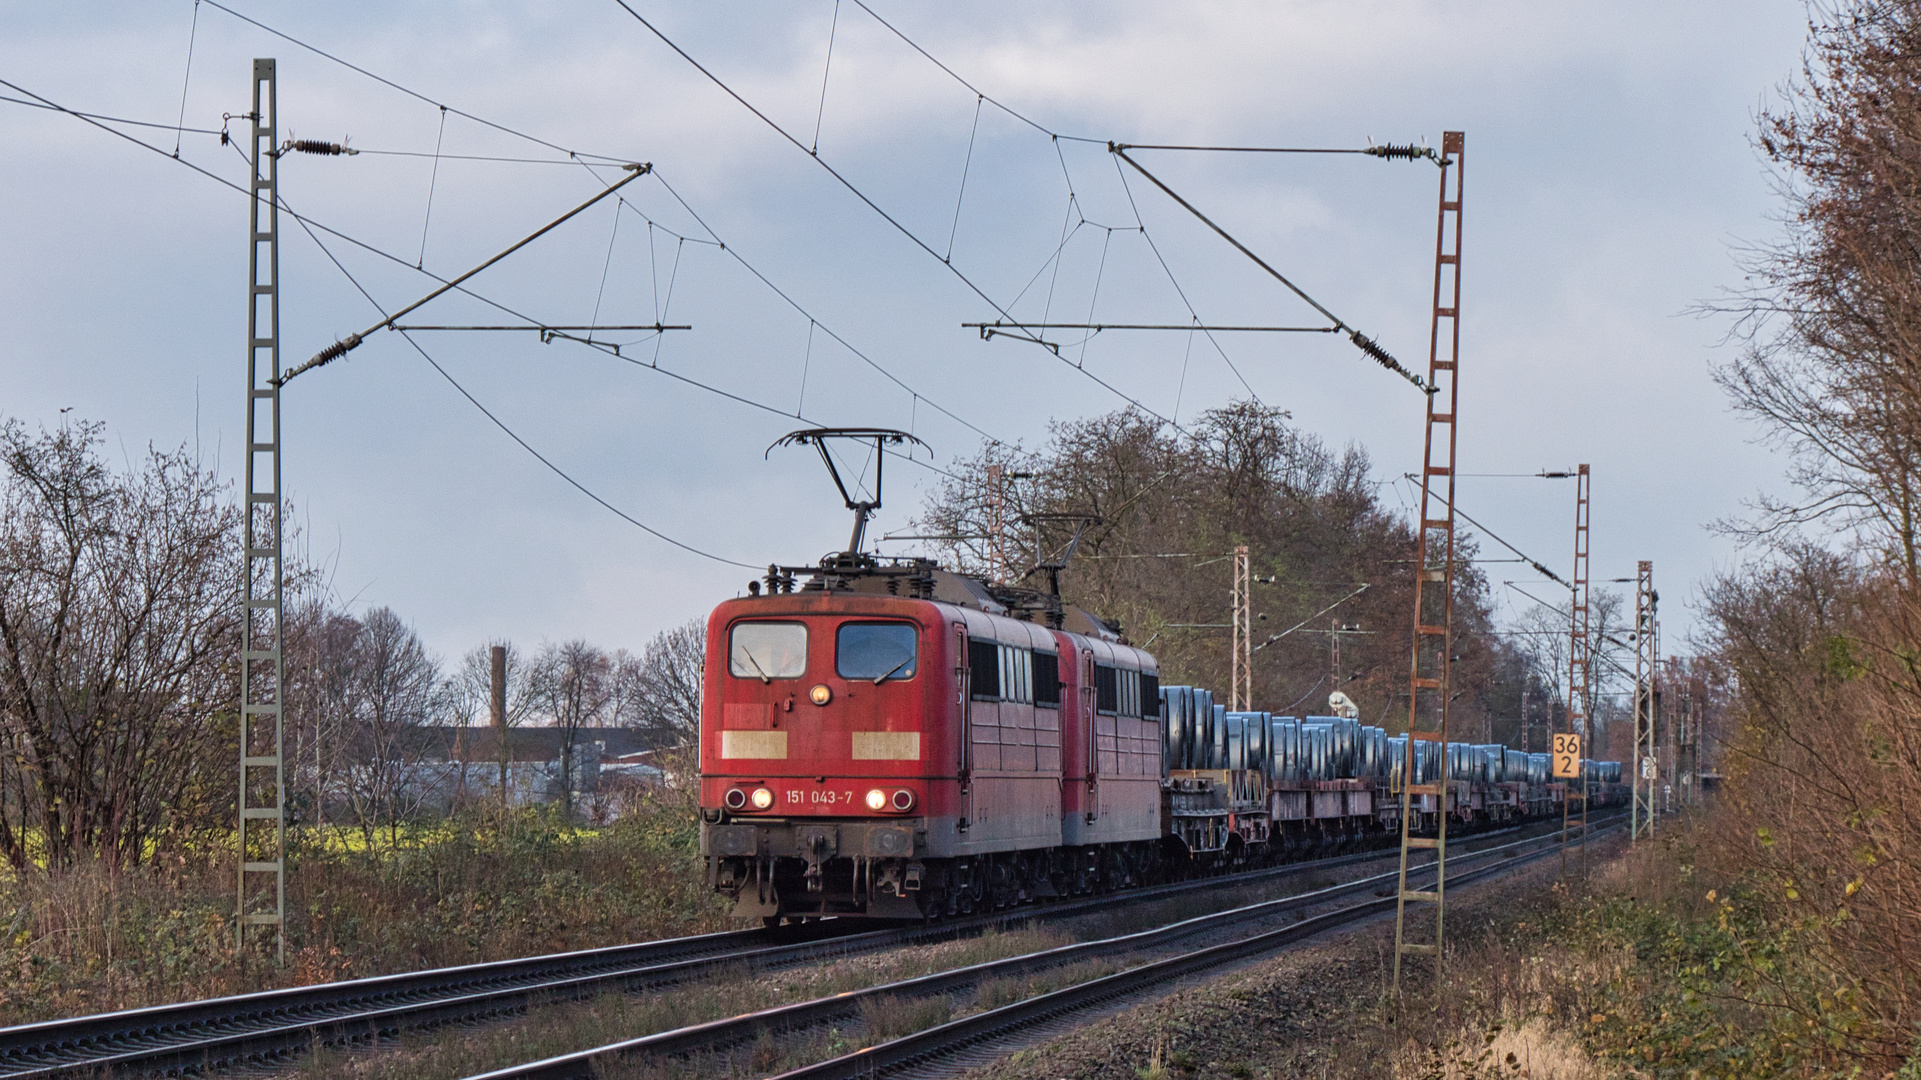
[(1434, 573), (1578, 659)]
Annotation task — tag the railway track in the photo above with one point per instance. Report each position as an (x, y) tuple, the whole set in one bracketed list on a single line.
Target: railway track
[(998, 1024), (205, 1036)]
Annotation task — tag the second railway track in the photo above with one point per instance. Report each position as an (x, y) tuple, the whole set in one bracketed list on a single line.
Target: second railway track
[(204, 1036), (734, 1031)]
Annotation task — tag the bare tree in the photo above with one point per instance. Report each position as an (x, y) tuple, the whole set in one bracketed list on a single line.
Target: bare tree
[(391, 697), (118, 634), (573, 683), (1832, 326), (322, 653), (660, 690)]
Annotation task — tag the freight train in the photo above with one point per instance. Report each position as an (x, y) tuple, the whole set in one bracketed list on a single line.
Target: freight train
[(889, 740)]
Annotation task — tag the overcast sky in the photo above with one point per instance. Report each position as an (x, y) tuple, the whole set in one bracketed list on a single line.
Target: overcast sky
[(1609, 183)]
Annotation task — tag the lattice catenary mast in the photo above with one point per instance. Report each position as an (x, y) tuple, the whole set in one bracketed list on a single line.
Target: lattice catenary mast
[(1241, 691), (1646, 763), (1434, 571), (1577, 663), (262, 886)]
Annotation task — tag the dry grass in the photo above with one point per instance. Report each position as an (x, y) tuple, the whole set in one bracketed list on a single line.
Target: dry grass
[(89, 940)]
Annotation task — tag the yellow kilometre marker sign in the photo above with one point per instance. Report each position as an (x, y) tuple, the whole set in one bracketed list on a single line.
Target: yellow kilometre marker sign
[(1567, 756)]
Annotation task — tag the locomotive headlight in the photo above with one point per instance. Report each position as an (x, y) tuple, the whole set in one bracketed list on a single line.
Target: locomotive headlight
[(735, 798), (762, 798), (820, 695), (877, 800), (903, 800)]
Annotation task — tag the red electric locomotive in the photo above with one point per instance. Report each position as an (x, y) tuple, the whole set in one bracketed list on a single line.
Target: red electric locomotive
[(889, 740), (885, 739)]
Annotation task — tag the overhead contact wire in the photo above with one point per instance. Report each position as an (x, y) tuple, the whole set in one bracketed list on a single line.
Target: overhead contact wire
[(1182, 293), (1019, 329), (186, 78), (501, 424), (1360, 340), (415, 94), (573, 155)]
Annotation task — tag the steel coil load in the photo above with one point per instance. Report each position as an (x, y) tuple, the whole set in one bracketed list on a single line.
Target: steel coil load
[(1255, 732), (1201, 756), (1395, 750), (1427, 762), (1174, 700), (1316, 752), (1217, 754), (1514, 766), (1373, 753), (1342, 736), (1284, 749), (1233, 740)]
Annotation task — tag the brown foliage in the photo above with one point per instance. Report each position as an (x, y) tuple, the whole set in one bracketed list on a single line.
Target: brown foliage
[(1832, 366), (1822, 766), (1172, 505)]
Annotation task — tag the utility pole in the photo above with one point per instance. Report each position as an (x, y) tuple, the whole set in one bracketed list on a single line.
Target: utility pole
[(1577, 692), (1241, 691), (1434, 570), (1645, 764), (262, 834)]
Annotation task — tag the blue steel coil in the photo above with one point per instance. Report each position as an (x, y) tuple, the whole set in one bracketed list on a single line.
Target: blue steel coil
[(1284, 737), (1171, 732), (1200, 754), (1217, 757), (1255, 731), (1235, 726)]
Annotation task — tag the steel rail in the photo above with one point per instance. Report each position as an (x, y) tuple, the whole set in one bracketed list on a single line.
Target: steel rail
[(955, 1036), (203, 1035), (718, 1034)]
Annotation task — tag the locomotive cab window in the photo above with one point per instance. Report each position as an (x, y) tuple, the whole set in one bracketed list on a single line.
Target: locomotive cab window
[(876, 651), (767, 651)]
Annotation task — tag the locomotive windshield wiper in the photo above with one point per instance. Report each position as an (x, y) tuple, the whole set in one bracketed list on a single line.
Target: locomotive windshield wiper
[(896, 667), (758, 670)]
